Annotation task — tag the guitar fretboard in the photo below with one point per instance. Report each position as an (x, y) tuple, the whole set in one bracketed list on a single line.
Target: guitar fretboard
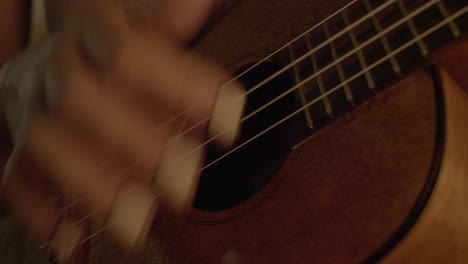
[(365, 47)]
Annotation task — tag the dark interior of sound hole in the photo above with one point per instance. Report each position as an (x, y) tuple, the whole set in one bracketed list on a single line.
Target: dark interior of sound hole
[(243, 173)]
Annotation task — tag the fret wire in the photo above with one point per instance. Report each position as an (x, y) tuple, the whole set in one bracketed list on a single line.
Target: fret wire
[(370, 67), (355, 76), (300, 90), (383, 39), (306, 55), (339, 66), (320, 71), (452, 25), (360, 55), (319, 79), (332, 64), (276, 52), (303, 57), (413, 29), (295, 39)]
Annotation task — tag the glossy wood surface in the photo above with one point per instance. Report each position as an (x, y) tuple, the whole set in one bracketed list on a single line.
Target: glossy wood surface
[(340, 195), (441, 233), (343, 192)]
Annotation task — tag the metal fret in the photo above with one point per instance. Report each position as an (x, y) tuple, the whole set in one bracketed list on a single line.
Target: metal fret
[(300, 90), (339, 66), (325, 100), (413, 29), (452, 25), (360, 55), (395, 65)]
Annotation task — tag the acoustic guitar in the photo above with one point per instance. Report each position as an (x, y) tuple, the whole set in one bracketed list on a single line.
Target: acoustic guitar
[(355, 139), (354, 146)]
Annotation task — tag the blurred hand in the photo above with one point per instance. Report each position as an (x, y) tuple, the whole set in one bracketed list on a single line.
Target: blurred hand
[(114, 142)]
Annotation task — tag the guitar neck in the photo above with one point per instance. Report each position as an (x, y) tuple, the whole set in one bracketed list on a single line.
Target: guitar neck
[(364, 48)]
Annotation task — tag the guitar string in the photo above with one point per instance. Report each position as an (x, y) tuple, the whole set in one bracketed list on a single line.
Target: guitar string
[(375, 64), (65, 209), (384, 32), (262, 133), (350, 79), (364, 44), (262, 61), (122, 172), (257, 86), (293, 63), (114, 177)]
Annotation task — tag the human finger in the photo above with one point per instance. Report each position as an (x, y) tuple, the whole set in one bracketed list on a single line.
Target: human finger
[(30, 206), (72, 166), (166, 73), (39, 216), (178, 19), (183, 82), (118, 126), (182, 19)]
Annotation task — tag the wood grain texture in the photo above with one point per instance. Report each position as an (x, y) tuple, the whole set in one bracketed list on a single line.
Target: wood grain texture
[(343, 193), (351, 188), (255, 28), (352, 184), (441, 234), (454, 59)]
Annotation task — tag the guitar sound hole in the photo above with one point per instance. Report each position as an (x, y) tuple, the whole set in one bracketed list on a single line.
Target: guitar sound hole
[(243, 173)]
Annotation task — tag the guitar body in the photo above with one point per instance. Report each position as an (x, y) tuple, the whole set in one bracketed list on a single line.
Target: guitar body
[(386, 182)]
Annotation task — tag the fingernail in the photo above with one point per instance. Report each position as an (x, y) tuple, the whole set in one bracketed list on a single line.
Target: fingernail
[(65, 240), (178, 171), (98, 44), (131, 216), (227, 113)]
